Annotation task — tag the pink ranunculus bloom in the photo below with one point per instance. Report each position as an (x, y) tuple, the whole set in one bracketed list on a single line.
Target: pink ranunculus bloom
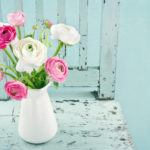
[(16, 90), (50, 23), (16, 18), (7, 34), (57, 68), (1, 75)]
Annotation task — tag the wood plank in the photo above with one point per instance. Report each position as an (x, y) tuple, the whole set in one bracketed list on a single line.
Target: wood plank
[(109, 44), (39, 15), (87, 78), (61, 18), (72, 19), (83, 27), (18, 5), (3, 60), (94, 33), (30, 16), (82, 125), (50, 13)]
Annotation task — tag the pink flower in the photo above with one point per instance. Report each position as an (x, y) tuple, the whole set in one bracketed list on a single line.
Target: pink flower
[(50, 23), (1, 75), (16, 90), (57, 69), (7, 34), (16, 18)]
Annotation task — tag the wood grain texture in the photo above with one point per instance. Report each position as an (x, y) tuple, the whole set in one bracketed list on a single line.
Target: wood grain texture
[(77, 78), (72, 19), (3, 60), (61, 18), (82, 125), (109, 44), (18, 5), (30, 15), (80, 14), (83, 29), (39, 15)]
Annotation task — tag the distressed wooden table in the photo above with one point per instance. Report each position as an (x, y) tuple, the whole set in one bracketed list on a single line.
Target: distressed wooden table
[(83, 125)]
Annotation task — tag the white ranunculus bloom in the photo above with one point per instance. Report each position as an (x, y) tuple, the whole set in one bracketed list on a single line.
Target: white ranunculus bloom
[(66, 34), (31, 54)]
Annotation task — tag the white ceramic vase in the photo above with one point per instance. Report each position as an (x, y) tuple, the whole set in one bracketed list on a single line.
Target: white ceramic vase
[(37, 122)]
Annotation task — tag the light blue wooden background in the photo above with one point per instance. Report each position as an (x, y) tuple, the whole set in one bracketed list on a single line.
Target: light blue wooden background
[(49, 11), (72, 13), (133, 69), (93, 59)]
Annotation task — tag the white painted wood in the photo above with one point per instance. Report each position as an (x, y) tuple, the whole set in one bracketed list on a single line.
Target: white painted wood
[(83, 28), (109, 43)]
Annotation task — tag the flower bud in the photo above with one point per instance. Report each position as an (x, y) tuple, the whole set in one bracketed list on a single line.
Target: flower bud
[(48, 24), (35, 27)]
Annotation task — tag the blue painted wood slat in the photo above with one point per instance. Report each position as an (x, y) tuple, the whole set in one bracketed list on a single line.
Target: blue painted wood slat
[(108, 51), (83, 27), (3, 59), (18, 5), (61, 16), (39, 15)]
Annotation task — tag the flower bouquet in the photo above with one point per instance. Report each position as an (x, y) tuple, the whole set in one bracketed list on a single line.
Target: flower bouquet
[(32, 72)]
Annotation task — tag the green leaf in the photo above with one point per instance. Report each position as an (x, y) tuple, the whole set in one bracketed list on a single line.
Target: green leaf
[(41, 68), (56, 84)]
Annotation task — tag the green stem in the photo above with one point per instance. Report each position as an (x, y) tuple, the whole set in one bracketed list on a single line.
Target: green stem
[(33, 35), (11, 48), (58, 48), (8, 74), (9, 68), (29, 82), (19, 32), (42, 33), (47, 37), (8, 54)]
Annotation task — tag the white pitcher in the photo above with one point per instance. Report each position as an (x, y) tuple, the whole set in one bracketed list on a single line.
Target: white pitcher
[(37, 122)]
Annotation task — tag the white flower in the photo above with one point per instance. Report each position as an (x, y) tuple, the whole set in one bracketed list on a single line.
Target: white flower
[(66, 34), (31, 54)]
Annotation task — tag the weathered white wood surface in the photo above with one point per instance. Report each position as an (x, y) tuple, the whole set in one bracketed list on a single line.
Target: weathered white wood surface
[(108, 52), (83, 125)]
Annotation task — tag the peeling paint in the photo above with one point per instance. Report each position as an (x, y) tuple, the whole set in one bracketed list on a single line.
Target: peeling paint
[(86, 125), (108, 50)]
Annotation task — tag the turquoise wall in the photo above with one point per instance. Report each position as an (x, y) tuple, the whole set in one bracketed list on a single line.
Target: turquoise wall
[(133, 69)]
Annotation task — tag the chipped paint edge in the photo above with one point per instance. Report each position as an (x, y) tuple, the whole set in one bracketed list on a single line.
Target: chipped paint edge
[(108, 49)]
